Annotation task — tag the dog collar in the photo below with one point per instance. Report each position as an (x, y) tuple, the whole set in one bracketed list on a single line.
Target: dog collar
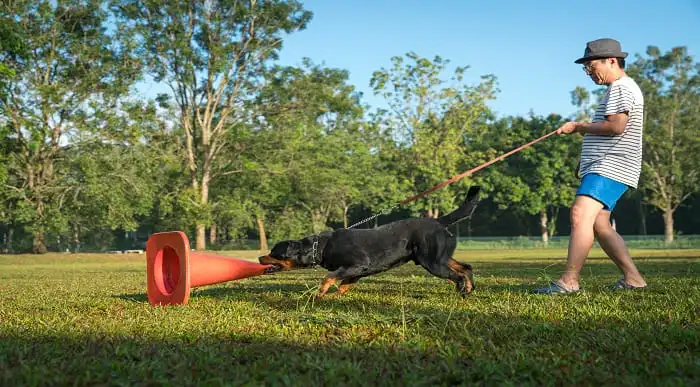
[(314, 251)]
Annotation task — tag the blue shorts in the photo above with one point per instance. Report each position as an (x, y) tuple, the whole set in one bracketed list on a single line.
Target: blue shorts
[(602, 189)]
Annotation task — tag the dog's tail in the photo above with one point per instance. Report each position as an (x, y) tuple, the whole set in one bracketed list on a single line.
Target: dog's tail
[(465, 210)]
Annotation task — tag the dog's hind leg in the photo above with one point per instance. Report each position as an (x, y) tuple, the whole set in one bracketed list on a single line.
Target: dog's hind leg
[(435, 257), (464, 270), (440, 267), (448, 268), (443, 271)]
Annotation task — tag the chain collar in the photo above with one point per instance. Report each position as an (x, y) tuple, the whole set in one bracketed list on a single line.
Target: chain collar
[(314, 251)]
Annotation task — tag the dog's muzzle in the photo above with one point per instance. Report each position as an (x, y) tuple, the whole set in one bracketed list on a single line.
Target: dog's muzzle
[(277, 264)]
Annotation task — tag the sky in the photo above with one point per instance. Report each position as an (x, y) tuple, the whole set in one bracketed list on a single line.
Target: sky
[(530, 46)]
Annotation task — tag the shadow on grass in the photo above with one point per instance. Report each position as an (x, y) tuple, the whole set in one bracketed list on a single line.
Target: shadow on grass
[(245, 287), (494, 348), (197, 360)]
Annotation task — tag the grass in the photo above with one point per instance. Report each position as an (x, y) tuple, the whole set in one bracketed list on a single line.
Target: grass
[(558, 242), (71, 319)]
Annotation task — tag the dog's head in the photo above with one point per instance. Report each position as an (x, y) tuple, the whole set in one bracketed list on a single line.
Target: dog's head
[(291, 254)]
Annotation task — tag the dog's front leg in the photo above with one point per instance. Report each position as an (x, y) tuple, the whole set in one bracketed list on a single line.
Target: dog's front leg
[(348, 276), (325, 284), (346, 285)]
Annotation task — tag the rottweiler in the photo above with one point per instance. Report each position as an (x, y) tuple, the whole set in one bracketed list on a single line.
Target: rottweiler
[(351, 254)]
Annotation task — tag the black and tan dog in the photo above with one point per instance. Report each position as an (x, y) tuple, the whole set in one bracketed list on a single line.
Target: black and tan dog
[(350, 254)]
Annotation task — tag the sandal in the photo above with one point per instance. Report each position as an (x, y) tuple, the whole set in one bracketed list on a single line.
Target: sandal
[(554, 288), (622, 285)]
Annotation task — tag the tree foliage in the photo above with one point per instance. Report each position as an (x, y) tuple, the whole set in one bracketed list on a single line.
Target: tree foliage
[(246, 148), (68, 61), (212, 55), (671, 168), (433, 118)]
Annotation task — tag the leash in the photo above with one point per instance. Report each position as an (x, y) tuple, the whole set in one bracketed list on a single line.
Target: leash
[(454, 179)]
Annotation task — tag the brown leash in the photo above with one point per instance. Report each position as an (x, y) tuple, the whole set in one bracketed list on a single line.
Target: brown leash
[(469, 172), (457, 178)]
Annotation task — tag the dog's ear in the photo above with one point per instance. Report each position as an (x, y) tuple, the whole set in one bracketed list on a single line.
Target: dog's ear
[(305, 253), (293, 248), (279, 250)]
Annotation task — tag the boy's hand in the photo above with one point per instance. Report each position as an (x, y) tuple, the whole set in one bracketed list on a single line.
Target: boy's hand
[(567, 128)]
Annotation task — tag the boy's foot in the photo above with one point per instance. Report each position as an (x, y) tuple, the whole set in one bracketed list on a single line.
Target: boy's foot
[(555, 288)]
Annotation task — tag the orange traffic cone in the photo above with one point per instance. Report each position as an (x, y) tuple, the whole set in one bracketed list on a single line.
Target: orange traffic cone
[(172, 270)]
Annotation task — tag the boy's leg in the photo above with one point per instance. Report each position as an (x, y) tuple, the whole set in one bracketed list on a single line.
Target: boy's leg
[(583, 216), (616, 248), (593, 195)]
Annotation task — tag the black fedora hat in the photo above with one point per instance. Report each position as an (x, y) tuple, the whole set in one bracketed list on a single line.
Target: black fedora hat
[(602, 48)]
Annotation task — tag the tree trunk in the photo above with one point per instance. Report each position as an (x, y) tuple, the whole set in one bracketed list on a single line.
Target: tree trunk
[(261, 232), (543, 226), (200, 237), (39, 244), (212, 234), (668, 225), (7, 240), (552, 222), (345, 216), (206, 180), (76, 239), (642, 218)]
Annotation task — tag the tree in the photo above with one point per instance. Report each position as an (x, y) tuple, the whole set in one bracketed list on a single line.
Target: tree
[(310, 119), (213, 56), (581, 98), (671, 170), (540, 179), (70, 59), (433, 118), (108, 171)]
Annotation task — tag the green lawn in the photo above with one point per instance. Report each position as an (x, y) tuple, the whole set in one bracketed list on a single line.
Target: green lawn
[(69, 319)]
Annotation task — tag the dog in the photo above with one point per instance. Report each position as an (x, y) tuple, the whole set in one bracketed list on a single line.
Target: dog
[(351, 254)]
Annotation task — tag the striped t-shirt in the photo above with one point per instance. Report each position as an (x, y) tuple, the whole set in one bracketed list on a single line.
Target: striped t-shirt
[(618, 157)]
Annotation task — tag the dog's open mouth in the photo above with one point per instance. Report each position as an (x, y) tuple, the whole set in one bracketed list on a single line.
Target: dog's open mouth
[(274, 269), (277, 264)]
